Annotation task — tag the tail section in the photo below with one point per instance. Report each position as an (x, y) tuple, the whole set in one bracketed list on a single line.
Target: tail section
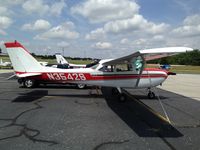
[(21, 59), (60, 59)]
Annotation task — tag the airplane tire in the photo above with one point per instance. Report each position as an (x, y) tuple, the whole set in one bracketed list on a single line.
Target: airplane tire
[(29, 83), (122, 97), (81, 86), (151, 95)]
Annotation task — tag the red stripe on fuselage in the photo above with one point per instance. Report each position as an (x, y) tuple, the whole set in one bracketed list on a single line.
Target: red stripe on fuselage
[(58, 76)]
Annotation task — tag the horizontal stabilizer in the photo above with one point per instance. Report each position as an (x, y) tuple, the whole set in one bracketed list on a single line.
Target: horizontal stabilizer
[(23, 75)]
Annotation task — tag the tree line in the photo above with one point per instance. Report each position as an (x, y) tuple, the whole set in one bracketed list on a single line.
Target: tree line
[(189, 58), (53, 57)]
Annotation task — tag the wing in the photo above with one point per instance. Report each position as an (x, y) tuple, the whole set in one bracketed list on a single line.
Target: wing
[(122, 60), (149, 54)]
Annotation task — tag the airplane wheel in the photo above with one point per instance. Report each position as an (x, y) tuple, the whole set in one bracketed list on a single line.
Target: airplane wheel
[(122, 97), (151, 95), (81, 86), (29, 83)]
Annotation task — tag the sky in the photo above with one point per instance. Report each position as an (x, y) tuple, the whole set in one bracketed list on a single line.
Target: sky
[(99, 28)]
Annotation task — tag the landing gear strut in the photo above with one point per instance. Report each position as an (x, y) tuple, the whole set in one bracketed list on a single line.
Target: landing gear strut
[(120, 95)]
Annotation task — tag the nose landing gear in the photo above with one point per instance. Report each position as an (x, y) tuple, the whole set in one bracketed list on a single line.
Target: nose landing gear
[(151, 95), (120, 95)]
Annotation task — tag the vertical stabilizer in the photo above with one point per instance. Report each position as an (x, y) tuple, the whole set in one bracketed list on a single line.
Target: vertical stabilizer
[(60, 59), (21, 59)]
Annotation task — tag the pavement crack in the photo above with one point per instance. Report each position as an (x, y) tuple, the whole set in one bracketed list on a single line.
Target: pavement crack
[(25, 131), (110, 143)]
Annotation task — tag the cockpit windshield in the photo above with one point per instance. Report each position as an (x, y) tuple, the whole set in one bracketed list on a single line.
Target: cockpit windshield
[(94, 66)]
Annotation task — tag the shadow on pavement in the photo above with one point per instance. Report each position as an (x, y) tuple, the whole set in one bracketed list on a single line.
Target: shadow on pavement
[(139, 117), (31, 96)]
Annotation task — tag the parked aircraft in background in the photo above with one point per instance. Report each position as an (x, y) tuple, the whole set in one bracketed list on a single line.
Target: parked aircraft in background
[(5, 64), (61, 60), (124, 72), (43, 63)]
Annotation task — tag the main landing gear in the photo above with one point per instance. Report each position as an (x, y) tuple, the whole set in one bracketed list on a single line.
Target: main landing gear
[(151, 95), (27, 83), (120, 95)]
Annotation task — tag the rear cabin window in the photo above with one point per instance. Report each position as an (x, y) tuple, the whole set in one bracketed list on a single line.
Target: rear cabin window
[(122, 67)]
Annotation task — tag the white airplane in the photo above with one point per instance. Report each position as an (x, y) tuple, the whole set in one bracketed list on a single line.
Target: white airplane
[(123, 72), (61, 60), (5, 64)]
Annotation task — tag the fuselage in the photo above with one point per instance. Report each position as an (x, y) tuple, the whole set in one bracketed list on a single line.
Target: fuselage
[(125, 79)]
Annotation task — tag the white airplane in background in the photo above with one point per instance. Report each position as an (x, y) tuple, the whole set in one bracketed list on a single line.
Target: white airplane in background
[(43, 63), (123, 72), (61, 60), (5, 64)]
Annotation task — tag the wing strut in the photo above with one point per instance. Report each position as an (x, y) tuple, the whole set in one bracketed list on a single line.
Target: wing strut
[(163, 108), (158, 97)]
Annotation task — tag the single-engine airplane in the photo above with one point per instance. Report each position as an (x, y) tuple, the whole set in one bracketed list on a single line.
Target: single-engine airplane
[(123, 72), (61, 60)]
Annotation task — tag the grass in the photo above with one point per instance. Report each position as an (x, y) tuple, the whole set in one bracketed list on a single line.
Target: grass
[(186, 69), (180, 68), (79, 61)]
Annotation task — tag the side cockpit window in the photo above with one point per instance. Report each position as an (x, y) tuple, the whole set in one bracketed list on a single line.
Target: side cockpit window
[(134, 66), (106, 69)]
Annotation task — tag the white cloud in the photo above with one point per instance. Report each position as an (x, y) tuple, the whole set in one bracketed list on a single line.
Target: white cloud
[(102, 45), (11, 2), (38, 25), (38, 6), (63, 31), (158, 38), (124, 41), (56, 8), (192, 20), (136, 23), (190, 27), (5, 22), (96, 34), (140, 41), (2, 32), (35, 7), (3, 10), (63, 44), (106, 10)]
